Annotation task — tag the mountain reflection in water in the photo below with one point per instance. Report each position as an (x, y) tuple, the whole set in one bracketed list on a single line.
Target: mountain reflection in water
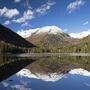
[(52, 73)]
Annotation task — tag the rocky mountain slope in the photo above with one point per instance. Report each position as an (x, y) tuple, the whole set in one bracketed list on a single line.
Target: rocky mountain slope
[(53, 39), (51, 36)]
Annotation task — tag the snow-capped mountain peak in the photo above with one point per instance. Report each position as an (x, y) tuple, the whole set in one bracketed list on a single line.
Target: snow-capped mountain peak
[(46, 29), (26, 33), (49, 30)]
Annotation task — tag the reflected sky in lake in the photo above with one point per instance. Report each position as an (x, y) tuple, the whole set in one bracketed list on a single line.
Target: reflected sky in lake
[(52, 73)]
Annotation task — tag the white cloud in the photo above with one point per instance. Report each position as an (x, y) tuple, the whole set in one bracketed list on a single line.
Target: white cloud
[(2, 11), (8, 12), (7, 22), (28, 15), (80, 34), (17, 1), (85, 23), (74, 5), (45, 7)]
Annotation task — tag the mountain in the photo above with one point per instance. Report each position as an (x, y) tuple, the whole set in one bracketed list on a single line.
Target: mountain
[(86, 39), (53, 39), (8, 36), (83, 46), (49, 30), (50, 37), (80, 35)]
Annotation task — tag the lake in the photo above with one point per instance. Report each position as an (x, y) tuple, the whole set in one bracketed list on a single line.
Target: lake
[(60, 72)]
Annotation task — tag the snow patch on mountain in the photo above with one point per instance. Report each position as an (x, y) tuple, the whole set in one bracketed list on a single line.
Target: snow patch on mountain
[(26, 33), (49, 30), (80, 35), (46, 29), (45, 77), (51, 76), (80, 71)]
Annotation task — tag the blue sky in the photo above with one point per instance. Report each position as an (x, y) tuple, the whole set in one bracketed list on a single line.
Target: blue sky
[(69, 15)]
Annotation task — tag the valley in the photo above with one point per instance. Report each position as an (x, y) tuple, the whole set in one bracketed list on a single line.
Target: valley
[(52, 40), (55, 40)]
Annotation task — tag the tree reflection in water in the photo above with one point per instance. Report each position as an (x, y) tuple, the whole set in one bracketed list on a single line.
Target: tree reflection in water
[(10, 65)]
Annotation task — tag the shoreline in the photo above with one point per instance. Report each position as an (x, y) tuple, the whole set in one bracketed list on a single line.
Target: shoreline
[(45, 54), (51, 54)]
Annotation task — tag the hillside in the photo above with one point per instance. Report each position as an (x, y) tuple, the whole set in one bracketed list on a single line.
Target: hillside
[(82, 47), (50, 39), (8, 36), (10, 42), (53, 39)]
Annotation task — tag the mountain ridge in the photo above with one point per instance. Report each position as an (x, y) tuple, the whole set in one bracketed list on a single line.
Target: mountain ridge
[(51, 39), (47, 29)]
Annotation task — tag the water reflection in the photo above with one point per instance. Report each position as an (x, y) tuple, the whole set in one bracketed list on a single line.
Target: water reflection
[(60, 64), (52, 73), (10, 64)]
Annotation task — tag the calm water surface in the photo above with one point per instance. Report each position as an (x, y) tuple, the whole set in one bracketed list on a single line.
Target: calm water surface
[(46, 73)]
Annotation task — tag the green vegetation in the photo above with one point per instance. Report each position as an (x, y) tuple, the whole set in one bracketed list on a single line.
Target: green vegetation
[(83, 46), (9, 48)]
